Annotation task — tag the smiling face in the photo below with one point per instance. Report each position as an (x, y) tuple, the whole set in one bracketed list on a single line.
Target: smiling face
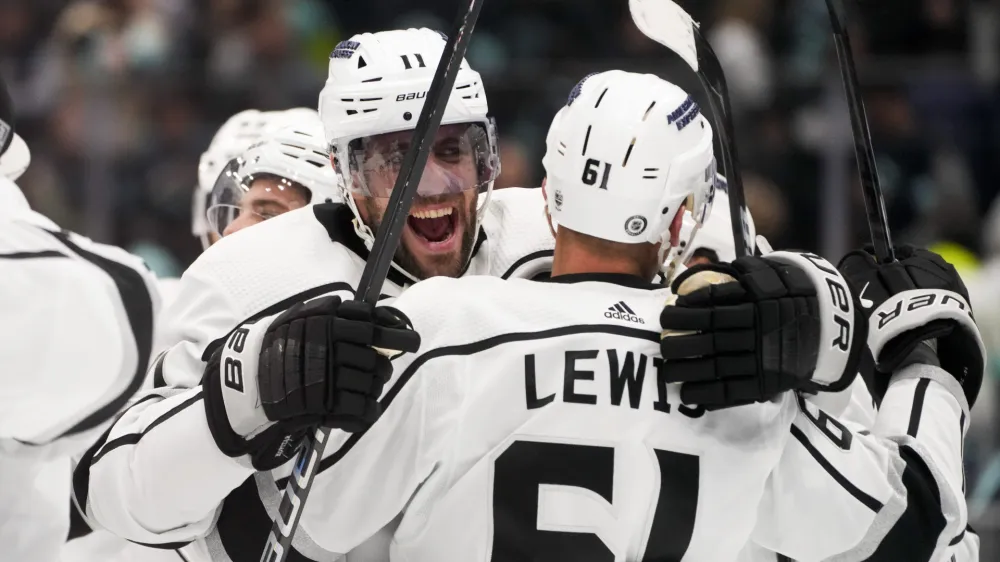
[(440, 231), (268, 197)]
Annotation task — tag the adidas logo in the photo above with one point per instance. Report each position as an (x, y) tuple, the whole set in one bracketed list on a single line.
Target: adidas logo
[(621, 311)]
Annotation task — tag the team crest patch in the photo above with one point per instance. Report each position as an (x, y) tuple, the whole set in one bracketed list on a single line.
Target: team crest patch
[(636, 225)]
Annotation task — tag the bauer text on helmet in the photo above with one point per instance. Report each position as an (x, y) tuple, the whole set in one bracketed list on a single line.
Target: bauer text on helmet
[(627, 154), (373, 97)]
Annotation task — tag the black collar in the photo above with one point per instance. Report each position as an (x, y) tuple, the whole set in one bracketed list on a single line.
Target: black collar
[(623, 279), (338, 220)]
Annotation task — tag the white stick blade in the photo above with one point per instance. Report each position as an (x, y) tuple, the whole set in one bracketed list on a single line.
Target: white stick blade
[(667, 23)]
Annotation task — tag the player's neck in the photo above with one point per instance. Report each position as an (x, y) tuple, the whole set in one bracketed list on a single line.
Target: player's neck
[(577, 261)]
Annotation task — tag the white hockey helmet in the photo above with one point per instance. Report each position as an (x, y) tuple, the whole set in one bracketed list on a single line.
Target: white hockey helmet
[(716, 234), (377, 85), (623, 157), (295, 154), (230, 141), (14, 154)]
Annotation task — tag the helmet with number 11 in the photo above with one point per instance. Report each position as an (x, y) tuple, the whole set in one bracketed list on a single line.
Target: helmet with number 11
[(376, 89)]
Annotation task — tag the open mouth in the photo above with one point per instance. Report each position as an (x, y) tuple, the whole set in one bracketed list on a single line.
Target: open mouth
[(436, 227)]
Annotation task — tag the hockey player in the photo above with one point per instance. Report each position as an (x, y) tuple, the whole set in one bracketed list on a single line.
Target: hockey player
[(74, 345), (286, 170), (236, 135), (374, 94), (285, 167), (537, 421)]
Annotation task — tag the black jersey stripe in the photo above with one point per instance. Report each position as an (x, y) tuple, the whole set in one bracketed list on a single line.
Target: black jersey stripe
[(81, 480), (525, 260), (33, 255), (139, 311), (158, 380), (918, 407), (133, 438), (865, 499), (915, 535)]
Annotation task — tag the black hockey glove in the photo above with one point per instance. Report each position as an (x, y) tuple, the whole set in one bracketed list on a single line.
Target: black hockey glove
[(314, 365), (919, 298), (748, 331)]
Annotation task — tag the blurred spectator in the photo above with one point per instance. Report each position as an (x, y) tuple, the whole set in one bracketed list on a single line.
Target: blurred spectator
[(515, 165), (119, 97), (739, 40), (768, 207)]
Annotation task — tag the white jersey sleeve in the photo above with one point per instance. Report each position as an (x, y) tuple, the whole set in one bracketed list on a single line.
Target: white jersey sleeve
[(77, 332), (252, 274), (893, 493), (161, 446)]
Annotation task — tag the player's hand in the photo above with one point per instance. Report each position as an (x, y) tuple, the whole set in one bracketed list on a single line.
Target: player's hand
[(783, 322), (919, 298), (314, 365)]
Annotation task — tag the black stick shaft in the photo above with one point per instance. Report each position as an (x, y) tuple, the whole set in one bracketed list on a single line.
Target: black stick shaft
[(713, 80), (871, 188), (387, 239), (279, 541)]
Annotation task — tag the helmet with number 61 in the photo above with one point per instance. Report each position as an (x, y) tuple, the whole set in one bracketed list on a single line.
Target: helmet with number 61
[(625, 158)]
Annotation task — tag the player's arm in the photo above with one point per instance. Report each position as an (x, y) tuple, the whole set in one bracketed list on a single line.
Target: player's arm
[(374, 475), (201, 312), (167, 418), (162, 472), (930, 359), (892, 494), (77, 330)]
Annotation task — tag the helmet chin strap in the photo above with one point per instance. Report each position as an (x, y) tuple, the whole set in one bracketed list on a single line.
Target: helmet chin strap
[(678, 257), (366, 235)]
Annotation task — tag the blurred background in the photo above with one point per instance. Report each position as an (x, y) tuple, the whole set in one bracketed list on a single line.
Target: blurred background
[(118, 98)]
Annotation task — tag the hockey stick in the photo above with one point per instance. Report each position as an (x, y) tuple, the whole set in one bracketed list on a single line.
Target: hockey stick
[(667, 23), (878, 220), (377, 267)]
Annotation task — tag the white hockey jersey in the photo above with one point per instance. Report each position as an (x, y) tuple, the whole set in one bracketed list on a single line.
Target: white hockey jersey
[(532, 423), (262, 270), (75, 342)]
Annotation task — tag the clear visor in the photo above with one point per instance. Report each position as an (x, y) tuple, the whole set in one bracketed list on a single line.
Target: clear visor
[(229, 201), (463, 158)]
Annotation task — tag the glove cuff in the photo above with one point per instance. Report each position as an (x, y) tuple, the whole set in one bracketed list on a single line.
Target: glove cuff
[(232, 400), (920, 314), (841, 329)]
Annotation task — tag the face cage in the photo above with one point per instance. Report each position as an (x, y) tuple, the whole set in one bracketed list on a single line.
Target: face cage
[(478, 141)]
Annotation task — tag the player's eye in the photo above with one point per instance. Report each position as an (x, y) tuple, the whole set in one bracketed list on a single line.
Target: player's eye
[(449, 150)]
